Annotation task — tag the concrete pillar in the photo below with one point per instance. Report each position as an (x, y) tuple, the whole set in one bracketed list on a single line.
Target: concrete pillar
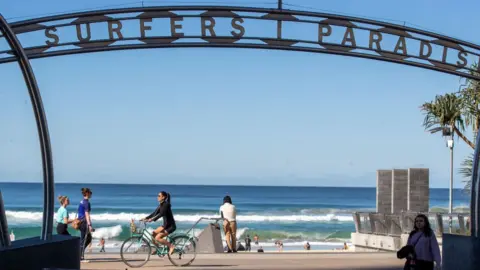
[(399, 190), (210, 240), (418, 190), (384, 191)]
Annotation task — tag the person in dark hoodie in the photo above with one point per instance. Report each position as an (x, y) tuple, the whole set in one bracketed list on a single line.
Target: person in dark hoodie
[(163, 210)]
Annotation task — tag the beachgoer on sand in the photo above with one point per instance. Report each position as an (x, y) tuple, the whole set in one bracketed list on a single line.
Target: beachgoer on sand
[(279, 245), (422, 250), (229, 214), (102, 245), (86, 228), (62, 216), (307, 246), (255, 239), (248, 243), (164, 210)]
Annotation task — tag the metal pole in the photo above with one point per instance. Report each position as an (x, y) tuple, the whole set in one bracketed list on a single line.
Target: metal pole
[(280, 4), (475, 198), (4, 236), (450, 207), (42, 127)]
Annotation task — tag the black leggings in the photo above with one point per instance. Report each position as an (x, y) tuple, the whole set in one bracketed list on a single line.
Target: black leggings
[(62, 229), (422, 265), (85, 238)]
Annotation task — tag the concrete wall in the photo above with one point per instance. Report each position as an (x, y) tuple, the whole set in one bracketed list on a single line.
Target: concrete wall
[(418, 190), (460, 252), (61, 252), (374, 242), (399, 190), (384, 191)]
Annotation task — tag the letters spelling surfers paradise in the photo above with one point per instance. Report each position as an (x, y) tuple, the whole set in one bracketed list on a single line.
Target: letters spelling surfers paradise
[(422, 49)]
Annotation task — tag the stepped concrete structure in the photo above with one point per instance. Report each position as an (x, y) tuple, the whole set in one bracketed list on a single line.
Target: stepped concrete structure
[(418, 190), (401, 195), (384, 191), (400, 190)]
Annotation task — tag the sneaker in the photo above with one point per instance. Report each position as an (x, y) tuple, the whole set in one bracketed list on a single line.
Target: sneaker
[(84, 261)]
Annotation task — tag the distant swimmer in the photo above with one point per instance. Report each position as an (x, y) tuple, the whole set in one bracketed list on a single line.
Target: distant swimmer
[(12, 236)]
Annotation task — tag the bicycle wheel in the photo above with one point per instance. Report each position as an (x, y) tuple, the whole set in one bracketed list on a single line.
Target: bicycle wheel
[(135, 251), (184, 253)]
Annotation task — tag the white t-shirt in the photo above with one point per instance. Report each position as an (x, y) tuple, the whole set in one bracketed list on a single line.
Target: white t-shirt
[(229, 211)]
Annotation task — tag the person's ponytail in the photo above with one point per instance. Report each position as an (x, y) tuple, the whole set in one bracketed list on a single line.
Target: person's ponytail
[(168, 198)]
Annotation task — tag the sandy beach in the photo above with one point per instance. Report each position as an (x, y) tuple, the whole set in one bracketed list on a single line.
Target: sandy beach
[(290, 260)]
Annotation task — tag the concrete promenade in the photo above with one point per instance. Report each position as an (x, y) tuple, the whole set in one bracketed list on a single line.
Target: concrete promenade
[(348, 260)]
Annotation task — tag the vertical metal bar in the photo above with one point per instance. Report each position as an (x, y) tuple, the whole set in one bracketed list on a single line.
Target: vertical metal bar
[(280, 4), (450, 204), (475, 200), (42, 128), (4, 236)]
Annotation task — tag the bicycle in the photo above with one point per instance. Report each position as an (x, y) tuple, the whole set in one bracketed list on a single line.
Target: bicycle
[(142, 241)]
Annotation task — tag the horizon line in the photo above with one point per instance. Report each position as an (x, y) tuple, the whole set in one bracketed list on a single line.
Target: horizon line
[(205, 185)]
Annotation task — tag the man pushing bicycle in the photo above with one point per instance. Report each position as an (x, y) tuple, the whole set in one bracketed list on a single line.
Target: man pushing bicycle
[(163, 210)]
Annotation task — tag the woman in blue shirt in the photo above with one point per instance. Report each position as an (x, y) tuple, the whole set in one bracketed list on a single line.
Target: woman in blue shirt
[(85, 221), (62, 216)]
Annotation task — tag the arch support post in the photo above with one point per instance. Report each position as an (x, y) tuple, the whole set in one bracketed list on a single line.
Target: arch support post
[(42, 128), (475, 188)]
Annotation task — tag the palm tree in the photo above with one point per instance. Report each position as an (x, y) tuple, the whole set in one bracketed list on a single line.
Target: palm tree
[(466, 170), (443, 112), (471, 106)]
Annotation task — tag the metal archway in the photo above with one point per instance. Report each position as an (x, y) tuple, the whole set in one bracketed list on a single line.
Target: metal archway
[(328, 33)]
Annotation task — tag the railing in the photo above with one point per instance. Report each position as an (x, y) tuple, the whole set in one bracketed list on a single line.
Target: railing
[(192, 229), (397, 224)]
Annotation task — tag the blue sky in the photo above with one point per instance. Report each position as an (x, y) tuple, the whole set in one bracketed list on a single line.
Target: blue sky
[(232, 116)]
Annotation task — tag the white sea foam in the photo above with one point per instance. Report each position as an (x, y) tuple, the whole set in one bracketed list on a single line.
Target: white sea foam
[(107, 232), (24, 216)]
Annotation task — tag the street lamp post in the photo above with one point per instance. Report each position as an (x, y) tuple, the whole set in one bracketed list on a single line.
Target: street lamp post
[(448, 133)]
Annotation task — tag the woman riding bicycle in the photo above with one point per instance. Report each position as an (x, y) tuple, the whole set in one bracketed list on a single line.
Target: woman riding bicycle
[(163, 210)]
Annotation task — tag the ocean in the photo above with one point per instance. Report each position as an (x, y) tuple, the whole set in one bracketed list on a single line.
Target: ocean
[(320, 215)]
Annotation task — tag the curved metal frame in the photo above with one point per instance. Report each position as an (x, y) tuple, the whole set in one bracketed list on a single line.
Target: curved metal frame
[(279, 43), (42, 127), (277, 14)]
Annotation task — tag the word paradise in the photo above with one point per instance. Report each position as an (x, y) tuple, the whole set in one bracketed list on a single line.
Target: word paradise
[(338, 35)]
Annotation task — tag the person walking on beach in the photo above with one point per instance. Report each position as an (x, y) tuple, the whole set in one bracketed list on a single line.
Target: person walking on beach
[(255, 239), (164, 210), (86, 227), (62, 216), (229, 214), (248, 243), (425, 246), (102, 245)]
